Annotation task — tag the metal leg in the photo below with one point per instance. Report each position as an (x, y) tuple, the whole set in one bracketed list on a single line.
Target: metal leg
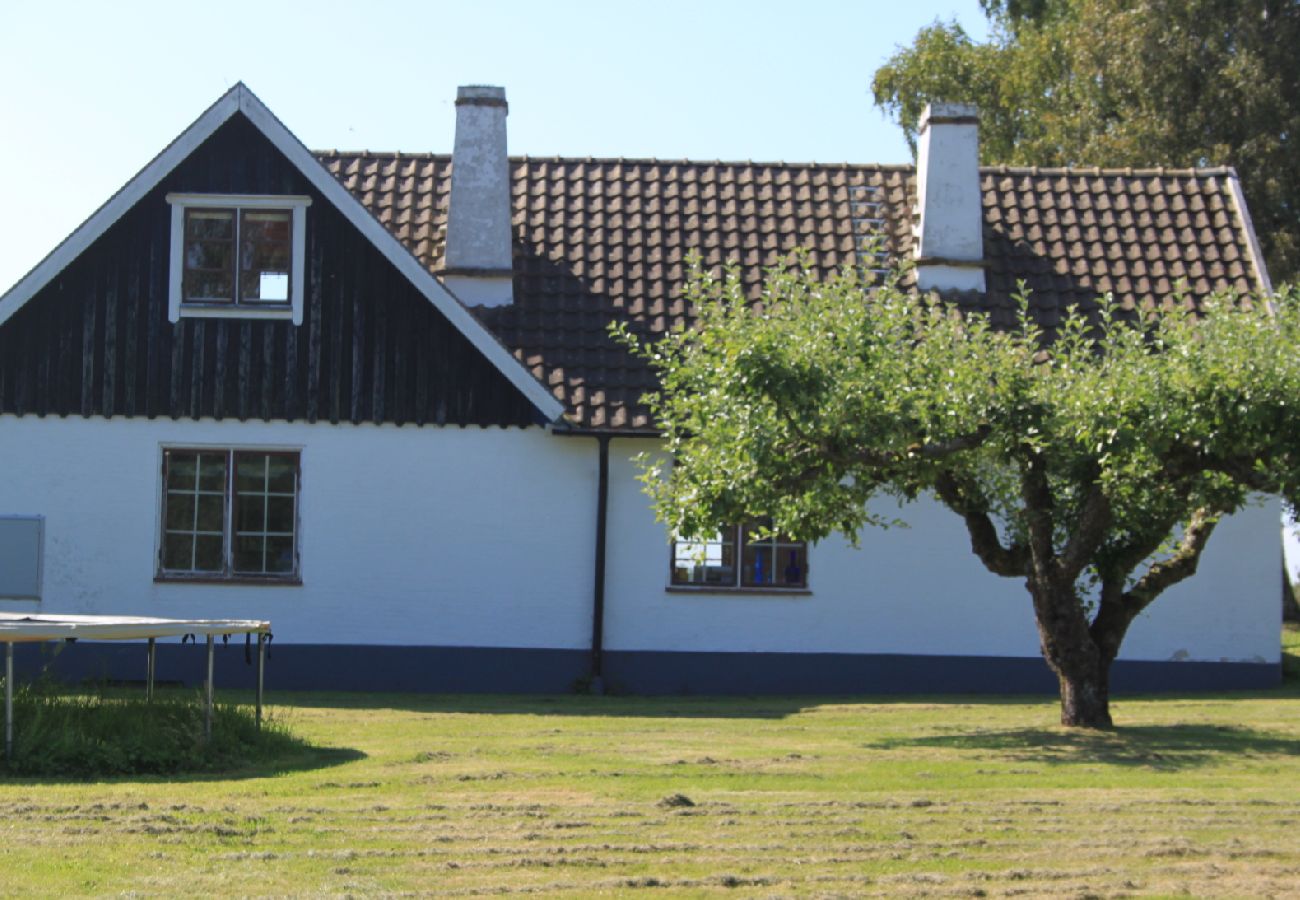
[(261, 671), (9, 700), (207, 713), (149, 670)]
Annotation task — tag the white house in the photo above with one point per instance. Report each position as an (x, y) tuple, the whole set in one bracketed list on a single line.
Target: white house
[(373, 398)]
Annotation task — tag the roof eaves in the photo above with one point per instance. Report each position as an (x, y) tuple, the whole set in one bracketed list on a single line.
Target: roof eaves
[(568, 429)]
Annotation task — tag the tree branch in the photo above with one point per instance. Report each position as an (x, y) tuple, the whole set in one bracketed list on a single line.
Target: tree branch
[(1166, 573), (1036, 494), (933, 451), (1113, 618), (1241, 469), (1094, 522), (1007, 561), (949, 447), (1129, 556)]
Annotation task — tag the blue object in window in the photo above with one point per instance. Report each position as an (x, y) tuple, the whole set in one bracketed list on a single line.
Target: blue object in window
[(758, 568)]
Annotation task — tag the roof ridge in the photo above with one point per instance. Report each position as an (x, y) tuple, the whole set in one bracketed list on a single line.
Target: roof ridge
[(635, 160), (653, 160), (382, 154), (1112, 171), (1095, 171)]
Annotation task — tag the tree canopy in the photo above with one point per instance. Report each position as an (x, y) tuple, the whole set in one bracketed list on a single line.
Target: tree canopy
[(1127, 83), (1093, 469)]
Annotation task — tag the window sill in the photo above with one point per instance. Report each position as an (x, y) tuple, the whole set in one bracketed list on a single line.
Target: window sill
[(716, 589), (195, 311), (240, 580)]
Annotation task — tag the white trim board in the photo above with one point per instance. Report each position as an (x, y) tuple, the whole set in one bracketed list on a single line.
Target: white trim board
[(240, 99)]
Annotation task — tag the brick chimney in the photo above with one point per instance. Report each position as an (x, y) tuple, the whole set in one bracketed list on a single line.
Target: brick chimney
[(477, 259), (950, 222)]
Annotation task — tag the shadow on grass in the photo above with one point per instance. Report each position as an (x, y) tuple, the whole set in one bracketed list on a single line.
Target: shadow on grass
[(658, 707), (705, 706), (304, 759), (1151, 746)]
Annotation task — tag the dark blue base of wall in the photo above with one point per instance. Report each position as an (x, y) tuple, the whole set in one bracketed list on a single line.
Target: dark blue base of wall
[(515, 670), (843, 673)]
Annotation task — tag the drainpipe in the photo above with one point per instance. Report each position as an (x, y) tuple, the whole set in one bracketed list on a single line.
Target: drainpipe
[(596, 673), (598, 586)]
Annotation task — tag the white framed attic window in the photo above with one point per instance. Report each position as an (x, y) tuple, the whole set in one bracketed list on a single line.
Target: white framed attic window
[(237, 256)]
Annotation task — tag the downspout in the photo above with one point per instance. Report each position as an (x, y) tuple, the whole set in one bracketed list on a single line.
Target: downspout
[(596, 671), (598, 585)]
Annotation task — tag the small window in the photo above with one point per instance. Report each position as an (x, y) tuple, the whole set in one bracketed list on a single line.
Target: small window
[(22, 544), (737, 558), (237, 256), (229, 514)]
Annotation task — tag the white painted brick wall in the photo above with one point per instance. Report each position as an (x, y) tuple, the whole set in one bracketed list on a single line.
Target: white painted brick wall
[(484, 537), (464, 537), (920, 590)]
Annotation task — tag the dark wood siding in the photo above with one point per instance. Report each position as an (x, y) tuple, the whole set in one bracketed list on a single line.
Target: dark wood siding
[(96, 340)]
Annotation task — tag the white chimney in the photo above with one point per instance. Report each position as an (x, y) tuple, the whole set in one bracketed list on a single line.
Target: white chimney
[(950, 221), (477, 259)]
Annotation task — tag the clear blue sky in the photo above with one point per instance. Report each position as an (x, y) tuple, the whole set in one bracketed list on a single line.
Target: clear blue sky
[(93, 90)]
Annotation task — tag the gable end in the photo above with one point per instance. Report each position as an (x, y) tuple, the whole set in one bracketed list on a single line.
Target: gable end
[(240, 105), (97, 340)]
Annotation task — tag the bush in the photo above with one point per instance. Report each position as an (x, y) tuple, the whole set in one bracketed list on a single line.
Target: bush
[(1291, 652), (95, 732)]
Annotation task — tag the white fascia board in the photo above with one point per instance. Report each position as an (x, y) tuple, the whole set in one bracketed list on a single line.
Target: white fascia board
[(131, 193), (241, 99), (397, 254)]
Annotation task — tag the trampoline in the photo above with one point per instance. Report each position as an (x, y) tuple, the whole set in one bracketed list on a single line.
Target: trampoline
[(21, 628)]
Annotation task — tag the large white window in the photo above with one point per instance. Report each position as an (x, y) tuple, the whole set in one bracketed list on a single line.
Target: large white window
[(737, 557), (229, 514), (237, 256)]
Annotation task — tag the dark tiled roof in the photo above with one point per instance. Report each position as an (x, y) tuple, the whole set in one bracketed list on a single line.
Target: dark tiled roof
[(1143, 236), (605, 240)]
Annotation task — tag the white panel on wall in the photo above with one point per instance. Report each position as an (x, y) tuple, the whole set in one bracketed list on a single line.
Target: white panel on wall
[(21, 547)]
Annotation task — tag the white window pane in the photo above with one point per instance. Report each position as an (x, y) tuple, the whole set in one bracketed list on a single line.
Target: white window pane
[(273, 286)]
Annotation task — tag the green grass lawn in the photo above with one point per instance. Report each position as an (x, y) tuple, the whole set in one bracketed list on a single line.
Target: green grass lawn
[(795, 796)]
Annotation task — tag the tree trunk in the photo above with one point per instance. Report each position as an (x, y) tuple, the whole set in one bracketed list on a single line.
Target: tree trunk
[(1081, 665), (1085, 699)]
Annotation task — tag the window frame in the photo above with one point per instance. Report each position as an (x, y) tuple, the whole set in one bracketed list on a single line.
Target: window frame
[(737, 538), (230, 505), (236, 308)]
